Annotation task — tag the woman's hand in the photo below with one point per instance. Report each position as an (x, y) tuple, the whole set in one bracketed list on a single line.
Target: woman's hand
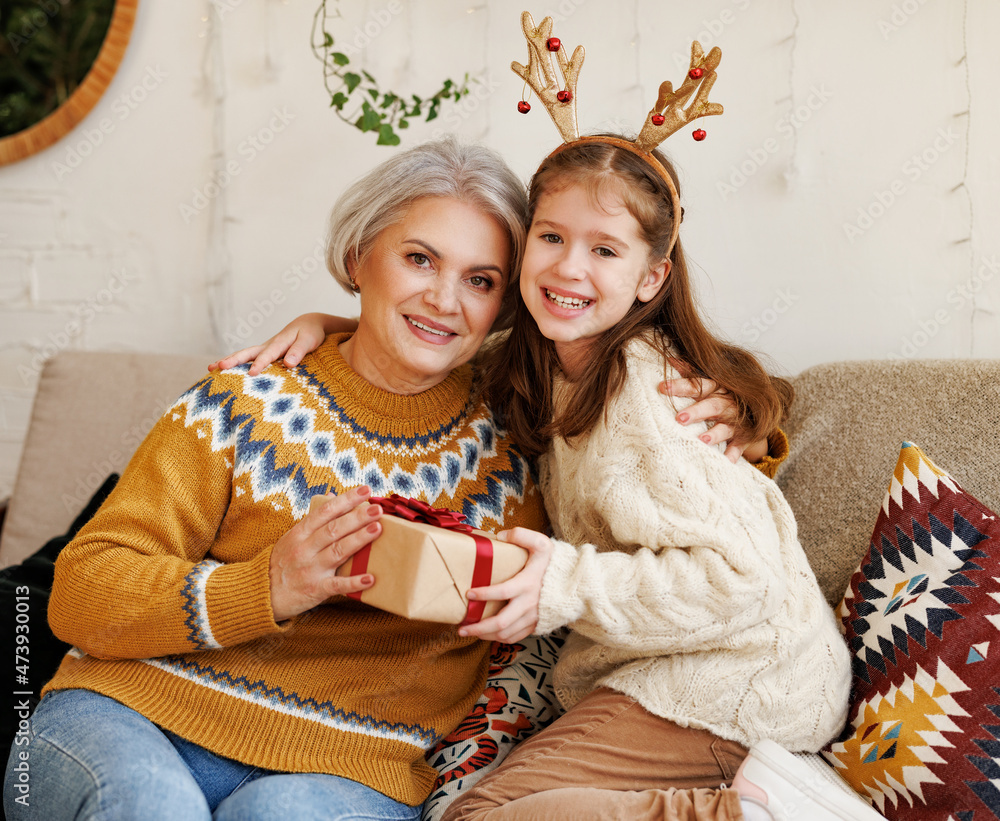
[(300, 336), (716, 405), (520, 616), (304, 561)]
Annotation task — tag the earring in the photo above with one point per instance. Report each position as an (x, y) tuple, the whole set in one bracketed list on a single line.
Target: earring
[(354, 286)]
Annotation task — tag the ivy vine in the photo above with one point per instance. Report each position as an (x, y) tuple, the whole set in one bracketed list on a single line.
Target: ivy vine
[(356, 96)]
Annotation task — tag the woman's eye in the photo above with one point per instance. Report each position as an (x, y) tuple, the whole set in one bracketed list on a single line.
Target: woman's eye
[(420, 260), (479, 281)]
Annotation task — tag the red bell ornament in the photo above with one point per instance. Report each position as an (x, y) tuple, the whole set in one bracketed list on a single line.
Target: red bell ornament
[(699, 135), (564, 96), (524, 106), (658, 119), (553, 44)]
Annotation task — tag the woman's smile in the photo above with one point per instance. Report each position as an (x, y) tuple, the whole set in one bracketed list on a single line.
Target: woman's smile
[(431, 287), (430, 331)]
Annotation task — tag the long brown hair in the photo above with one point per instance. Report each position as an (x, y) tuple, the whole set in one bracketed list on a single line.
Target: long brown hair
[(520, 365)]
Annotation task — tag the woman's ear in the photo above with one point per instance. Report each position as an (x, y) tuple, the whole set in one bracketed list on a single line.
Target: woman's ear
[(351, 263), (651, 283)]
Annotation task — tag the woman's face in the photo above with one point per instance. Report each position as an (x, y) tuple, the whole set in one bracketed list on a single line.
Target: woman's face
[(431, 287)]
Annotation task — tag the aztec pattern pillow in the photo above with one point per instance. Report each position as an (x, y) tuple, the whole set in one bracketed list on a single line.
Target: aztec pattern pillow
[(518, 702), (922, 618)]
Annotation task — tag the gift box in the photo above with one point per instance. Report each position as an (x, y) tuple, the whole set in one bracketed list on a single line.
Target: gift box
[(426, 559)]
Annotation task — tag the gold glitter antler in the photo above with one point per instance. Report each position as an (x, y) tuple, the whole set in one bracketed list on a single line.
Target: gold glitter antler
[(669, 114), (542, 76)]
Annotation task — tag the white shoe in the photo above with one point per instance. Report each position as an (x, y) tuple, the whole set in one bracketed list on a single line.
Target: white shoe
[(797, 788)]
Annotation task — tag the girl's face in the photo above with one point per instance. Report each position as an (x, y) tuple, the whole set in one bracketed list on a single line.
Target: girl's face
[(584, 266)]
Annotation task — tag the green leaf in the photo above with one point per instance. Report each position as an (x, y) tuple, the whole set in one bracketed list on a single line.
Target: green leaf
[(388, 99), (327, 39), (433, 112), (339, 99), (352, 81), (369, 77), (404, 124), (386, 136), (338, 58), (370, 119), (373, 93)]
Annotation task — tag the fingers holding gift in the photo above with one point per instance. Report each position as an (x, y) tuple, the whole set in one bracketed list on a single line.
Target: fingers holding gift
[(521, 592), (305, 559)]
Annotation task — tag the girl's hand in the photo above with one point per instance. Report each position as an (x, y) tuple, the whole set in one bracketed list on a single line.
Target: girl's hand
[(520, 617), (300, 336), (712, 404), (304, 561)]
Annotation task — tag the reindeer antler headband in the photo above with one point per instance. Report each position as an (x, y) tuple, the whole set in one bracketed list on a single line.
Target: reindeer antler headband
[(547, 61)]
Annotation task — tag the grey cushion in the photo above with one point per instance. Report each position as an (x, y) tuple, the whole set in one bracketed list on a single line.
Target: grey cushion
[(91, 411), (847, 424)]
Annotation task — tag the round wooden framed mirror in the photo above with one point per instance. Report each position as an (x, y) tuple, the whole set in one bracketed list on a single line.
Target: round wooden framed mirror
[(59, 122)]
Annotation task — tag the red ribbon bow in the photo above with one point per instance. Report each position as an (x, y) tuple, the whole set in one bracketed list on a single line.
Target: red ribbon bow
[(415, 510)]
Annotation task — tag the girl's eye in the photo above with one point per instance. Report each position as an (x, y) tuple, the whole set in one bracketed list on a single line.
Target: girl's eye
[(606, 252), (420, 260), (553, 238)]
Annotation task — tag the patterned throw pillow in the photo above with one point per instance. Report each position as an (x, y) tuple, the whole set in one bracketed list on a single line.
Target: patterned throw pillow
[(922, 617), (518, 702)]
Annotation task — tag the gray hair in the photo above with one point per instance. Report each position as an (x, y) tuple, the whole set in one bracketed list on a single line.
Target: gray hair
[(440, 168)]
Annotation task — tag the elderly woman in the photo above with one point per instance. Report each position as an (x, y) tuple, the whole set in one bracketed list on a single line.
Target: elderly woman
[(218, 669)]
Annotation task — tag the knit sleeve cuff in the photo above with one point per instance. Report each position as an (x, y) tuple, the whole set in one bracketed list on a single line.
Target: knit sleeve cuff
[(777, 452), (556, 607), (238, 603)]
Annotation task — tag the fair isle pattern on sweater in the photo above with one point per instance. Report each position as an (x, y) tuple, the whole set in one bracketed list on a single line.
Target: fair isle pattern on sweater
[(440, 475), (189, 641), (273, 698), (194, 604)]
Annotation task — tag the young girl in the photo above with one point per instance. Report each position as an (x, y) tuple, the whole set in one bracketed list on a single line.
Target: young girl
[(698, 629)]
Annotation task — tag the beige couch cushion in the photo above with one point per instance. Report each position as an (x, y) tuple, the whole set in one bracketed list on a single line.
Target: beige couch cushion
[(847, 424), (90, 413)]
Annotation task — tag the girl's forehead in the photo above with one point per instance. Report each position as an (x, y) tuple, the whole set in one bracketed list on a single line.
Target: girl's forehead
[(602, 195)]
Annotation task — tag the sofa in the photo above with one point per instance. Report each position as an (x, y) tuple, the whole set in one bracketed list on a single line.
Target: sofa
[(846, 429)]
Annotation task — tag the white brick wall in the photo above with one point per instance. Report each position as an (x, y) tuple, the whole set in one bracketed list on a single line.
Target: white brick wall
[(197, 83)]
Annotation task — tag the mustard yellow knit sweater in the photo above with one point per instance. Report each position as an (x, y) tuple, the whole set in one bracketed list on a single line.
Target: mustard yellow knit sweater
[(165, 594)]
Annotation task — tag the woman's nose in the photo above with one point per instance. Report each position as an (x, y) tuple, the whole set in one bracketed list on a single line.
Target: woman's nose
[(441, 293)]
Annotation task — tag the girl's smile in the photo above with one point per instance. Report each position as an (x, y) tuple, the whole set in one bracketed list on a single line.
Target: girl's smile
[(584, 267)]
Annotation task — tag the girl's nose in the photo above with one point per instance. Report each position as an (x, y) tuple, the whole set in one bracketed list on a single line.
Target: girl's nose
[(569, 264)]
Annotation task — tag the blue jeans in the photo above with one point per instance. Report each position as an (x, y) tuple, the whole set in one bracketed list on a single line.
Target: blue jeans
[(90, 757)]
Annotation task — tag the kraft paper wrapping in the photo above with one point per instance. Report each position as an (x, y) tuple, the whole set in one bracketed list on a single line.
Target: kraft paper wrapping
[(423, 572)]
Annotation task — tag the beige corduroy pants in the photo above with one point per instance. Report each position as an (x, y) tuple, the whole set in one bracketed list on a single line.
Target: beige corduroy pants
[(608, 758)]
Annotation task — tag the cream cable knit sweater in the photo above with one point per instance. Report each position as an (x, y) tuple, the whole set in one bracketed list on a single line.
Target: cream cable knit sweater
[(683, 581)]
